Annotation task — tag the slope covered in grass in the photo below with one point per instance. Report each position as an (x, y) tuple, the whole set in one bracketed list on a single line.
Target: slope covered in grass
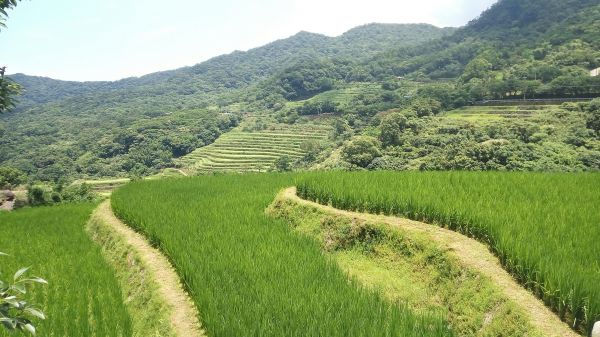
[(251, 275), (82, 297), (544, 227)]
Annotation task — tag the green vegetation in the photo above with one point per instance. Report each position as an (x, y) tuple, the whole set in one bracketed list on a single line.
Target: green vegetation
[(8, 88), (256, 147), (11, 177), (361, 151), (409, 267), (4, 6), (82, 297), (138, 127), (542, 226), (379, 97), (276, 283), (515, 138), (16, 312), (149, 313), (107, 143), (340, 96), (40, 195), (499, 113)]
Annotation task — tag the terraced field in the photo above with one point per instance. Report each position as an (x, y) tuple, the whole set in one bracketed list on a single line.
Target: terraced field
[(492, 113), (104, 186), (542, 226), (341, 96), (242, 151)]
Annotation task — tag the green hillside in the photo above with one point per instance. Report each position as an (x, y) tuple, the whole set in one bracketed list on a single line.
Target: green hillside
[(247, 151)]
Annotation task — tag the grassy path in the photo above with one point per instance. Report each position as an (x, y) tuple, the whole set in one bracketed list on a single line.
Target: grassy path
[(183, 315), (471, 254)]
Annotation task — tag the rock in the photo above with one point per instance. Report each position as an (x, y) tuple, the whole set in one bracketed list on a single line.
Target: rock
[(596, 330)]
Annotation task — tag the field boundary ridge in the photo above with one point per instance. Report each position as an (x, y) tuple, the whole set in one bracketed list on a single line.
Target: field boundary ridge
[(471, 254), (157, 302)]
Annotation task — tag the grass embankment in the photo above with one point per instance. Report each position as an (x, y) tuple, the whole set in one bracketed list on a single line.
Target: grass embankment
[(543, 227), (246, 151), (83, 297), (412, 263), (150, 310), (104, 186), (251, 275)]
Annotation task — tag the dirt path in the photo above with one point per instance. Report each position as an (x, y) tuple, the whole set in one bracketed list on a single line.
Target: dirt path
[(184, 317), (7, 205), (471, 254), (182, 172)]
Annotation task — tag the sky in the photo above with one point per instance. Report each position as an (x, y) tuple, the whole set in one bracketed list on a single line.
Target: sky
[(86, 40)]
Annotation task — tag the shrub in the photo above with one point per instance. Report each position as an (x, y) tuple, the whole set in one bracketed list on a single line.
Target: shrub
[(15, 312), (11, 177), (283, 163), (361, 151)]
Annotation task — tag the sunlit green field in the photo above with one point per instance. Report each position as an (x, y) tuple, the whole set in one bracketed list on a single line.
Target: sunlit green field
[(251, 275), (497, 113), (341, 96), (543, 226), (82, 297)]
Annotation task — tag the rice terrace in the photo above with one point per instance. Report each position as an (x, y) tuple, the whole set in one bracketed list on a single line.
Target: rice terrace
[(436, 179)]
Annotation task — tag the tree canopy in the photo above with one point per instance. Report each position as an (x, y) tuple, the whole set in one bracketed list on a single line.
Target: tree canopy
[(8, 88)]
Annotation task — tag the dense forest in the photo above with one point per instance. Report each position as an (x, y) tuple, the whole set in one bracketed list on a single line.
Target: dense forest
[(416, 73)]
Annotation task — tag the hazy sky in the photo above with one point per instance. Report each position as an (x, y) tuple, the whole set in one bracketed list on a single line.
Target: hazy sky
[(113, 39)]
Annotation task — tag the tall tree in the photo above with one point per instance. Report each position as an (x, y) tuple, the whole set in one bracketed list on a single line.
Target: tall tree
[(8, 89), (4, 6)]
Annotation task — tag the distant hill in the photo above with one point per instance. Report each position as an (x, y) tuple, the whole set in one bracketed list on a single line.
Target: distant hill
[(526, 21), (63, 128), (510, 29), (239, 69)]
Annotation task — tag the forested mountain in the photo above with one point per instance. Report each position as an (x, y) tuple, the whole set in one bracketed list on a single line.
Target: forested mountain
[(517, 21), (65, 128), (41, 90), (506, 34)]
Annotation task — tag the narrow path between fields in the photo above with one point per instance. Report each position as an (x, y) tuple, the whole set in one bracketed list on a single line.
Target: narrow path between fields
[(471, 254), (7, 205), (182, 172), (184, 317)]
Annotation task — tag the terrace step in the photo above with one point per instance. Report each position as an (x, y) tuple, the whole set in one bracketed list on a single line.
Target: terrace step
[(241, 151)]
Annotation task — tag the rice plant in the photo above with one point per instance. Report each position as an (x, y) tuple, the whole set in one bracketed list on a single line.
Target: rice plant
[(545, 227), (82, 297), (251, 275)]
